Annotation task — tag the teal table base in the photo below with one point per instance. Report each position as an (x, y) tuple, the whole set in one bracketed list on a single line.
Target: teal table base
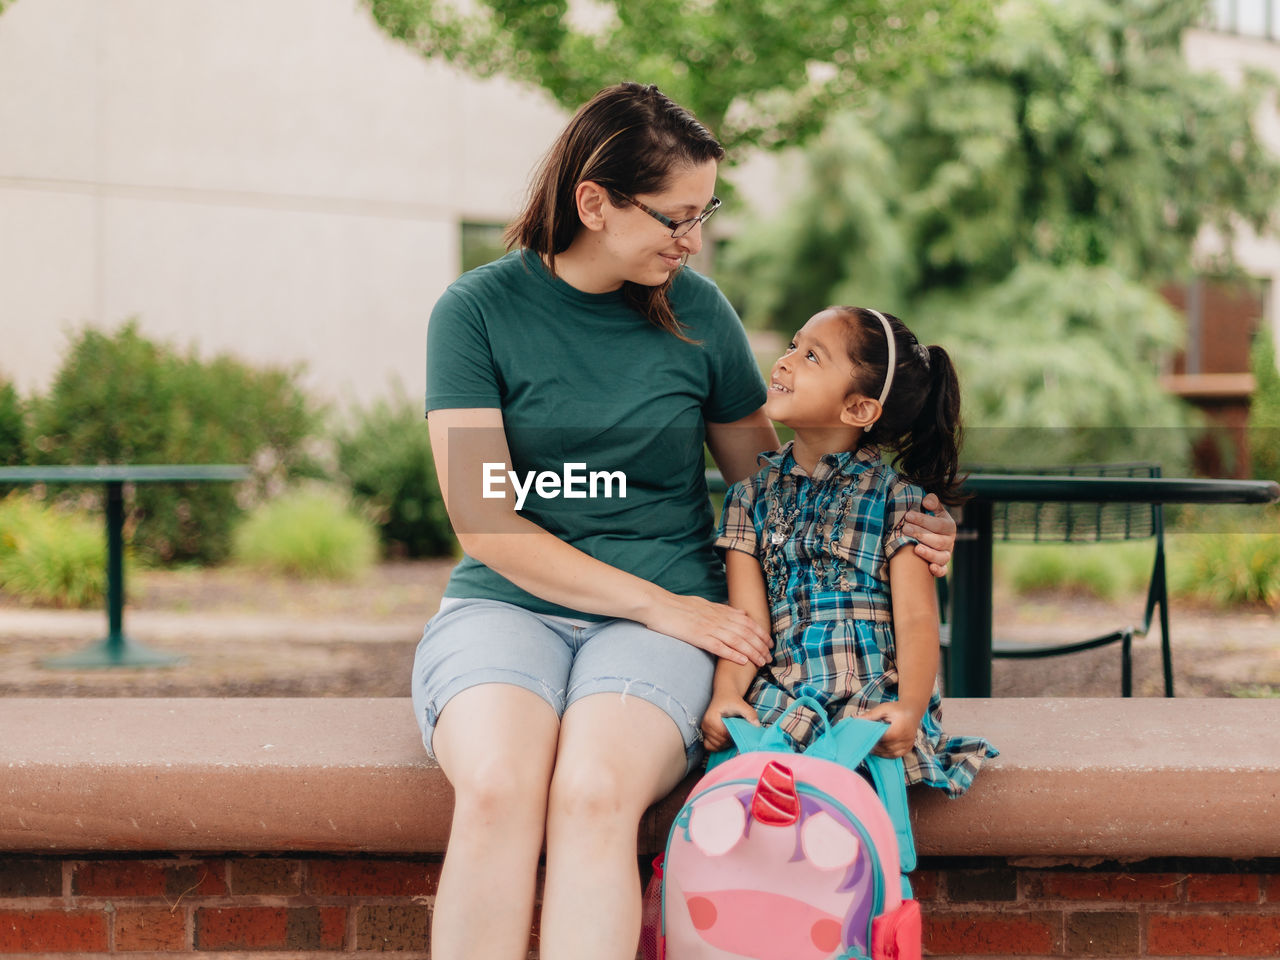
[(117, 650), (114, 652)]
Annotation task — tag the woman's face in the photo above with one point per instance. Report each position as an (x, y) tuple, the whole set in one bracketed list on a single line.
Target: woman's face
[(641, 249)]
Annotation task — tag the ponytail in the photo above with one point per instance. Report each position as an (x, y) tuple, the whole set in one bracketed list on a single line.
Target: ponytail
[(929, 450), (920, 417)]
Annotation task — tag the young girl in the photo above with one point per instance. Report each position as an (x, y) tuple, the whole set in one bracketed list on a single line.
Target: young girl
[(813, 543)]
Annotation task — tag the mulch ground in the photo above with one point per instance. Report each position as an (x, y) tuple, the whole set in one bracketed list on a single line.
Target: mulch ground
[(245, 634)]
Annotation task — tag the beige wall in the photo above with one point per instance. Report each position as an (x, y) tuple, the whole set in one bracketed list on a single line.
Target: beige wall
[(275, 178)]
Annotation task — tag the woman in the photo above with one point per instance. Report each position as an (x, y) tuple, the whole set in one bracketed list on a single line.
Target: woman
[(571, 386)]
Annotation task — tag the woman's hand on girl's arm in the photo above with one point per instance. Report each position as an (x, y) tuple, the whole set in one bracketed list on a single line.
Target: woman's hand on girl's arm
[(935, 533), (719, 629), (490, 530)]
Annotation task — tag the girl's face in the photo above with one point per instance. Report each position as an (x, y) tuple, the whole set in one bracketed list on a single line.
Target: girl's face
[(640, 248), (810, 384)]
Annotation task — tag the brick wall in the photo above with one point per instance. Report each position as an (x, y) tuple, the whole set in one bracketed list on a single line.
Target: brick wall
[(223, 903), (1154, 908), (329, 904)]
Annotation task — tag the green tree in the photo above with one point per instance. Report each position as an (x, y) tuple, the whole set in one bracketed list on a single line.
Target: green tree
[(1020, 206), (12, 427), (120, 398), (1264, 409), (757, 72), (385, 457)]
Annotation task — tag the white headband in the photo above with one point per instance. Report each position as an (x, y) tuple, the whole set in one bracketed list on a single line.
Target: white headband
[(893, 355)]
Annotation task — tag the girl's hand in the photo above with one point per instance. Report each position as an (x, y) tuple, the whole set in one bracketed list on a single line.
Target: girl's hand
[(903, 724), (715, 627), (714, 732), (936, 533)]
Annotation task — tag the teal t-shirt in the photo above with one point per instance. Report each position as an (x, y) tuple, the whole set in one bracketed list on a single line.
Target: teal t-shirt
[(585, 379)]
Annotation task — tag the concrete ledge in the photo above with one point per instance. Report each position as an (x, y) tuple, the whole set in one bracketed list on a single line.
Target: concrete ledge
[(1108, 779)]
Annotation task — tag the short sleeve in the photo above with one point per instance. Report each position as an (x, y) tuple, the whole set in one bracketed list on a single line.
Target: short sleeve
[(902, 498), (460, 368), (737, 530)]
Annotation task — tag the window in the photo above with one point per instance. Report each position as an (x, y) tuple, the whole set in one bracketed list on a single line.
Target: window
[(481, 243), (1249, 18)]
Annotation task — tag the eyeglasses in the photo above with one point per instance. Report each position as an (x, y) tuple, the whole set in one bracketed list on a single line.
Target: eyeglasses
[(678, 228)]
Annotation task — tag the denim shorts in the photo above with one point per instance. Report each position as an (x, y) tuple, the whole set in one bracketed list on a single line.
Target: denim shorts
[(475, 641)]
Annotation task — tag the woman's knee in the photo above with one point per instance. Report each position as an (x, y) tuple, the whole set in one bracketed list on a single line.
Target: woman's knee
[(597, 794), (607, 789), (500, 772), (491, 792)]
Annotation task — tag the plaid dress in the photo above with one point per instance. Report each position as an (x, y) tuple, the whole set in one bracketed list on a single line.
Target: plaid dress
[(824, 544)]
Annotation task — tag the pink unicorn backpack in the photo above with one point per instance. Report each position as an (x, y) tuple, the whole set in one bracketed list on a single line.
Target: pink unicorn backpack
[(779, 855)]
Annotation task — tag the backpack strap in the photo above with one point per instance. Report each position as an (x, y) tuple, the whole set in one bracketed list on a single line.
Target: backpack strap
[(891, 783), (749, 737)]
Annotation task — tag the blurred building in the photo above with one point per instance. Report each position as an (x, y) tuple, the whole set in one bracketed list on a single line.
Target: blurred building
[(282, 181), (1226, 315)]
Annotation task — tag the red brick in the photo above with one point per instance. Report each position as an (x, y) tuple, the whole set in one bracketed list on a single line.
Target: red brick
[(271, 928), (1105, 887), (373, 878), (1007, 933), (155, 928), (979, 886), (200, 878), (393, 927), (31, 878), (1210, 935), (1223, 888), (1272, 885), (1108, 933), (170, 879), (118, 878), (924, 885), (50, 931), (266, 877)]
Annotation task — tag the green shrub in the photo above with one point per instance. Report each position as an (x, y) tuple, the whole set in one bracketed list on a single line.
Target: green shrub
[(385, 457), (1227, 569), (12, 426), (309, 532), (1264, 410), (50, 556), (1103, 570), (119, 398)]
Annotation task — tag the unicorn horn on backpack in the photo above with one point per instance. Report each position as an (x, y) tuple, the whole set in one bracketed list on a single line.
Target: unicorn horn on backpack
[(775, 801)]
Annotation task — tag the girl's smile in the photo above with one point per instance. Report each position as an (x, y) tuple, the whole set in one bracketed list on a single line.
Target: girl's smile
[(810, 383)]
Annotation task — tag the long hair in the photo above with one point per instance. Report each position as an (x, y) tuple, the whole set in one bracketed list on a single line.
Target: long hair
[(920, 420), (628, 138)]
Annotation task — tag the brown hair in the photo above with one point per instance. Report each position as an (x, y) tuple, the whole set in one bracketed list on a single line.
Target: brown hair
[(627, 138), (920, 421)]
